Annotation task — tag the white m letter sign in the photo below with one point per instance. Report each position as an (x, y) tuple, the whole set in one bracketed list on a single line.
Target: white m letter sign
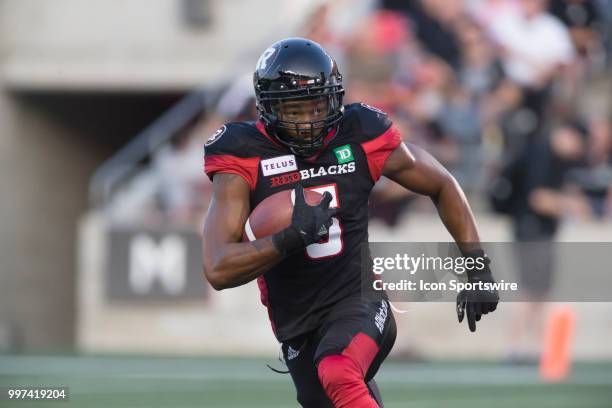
[(166, 262)]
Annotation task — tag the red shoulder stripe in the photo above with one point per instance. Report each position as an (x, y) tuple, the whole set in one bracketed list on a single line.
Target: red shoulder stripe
[(246, 168), (377, 150)]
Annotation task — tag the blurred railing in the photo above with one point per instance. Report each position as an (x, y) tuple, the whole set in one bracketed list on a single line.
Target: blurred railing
[(125, 163)]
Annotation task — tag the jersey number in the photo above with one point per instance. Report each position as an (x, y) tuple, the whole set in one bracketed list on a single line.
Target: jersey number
[(334, 244)]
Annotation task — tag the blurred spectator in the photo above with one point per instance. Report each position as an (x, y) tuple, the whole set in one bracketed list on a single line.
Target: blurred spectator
[(605, 8), (433, 20), (317, 27), (480, 69), (583, 19), (332, 23), (431, 79), (375, 55), (592, 183), (181, 184), (534, 44), (535, 47), (487, 12), (174, 187), (530, 187), (373, 58), (454, 75), (459, 119), (183, 189), (537, 203), (237, 103), (544, 181), (171, 188)]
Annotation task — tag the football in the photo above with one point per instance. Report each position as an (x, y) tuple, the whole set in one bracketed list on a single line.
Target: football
[(274, 214)]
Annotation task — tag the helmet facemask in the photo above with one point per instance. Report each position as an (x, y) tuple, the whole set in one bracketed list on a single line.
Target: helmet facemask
[(299, 116)]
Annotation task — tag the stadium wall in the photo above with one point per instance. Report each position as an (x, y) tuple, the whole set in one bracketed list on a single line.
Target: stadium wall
[(136, 44), (44, 175)]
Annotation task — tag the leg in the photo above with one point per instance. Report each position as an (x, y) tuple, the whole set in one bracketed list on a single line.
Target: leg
[(356, 338), (535, 269), (299, 356)]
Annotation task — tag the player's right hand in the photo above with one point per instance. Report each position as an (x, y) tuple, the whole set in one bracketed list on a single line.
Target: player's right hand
[(309, 223)]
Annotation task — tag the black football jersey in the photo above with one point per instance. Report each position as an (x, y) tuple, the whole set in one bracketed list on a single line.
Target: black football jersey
[(302, 288)]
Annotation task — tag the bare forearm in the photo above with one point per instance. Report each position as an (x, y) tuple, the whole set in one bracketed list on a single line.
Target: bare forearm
[(227, 261), (238, 263), (455, 213), (418, 171)]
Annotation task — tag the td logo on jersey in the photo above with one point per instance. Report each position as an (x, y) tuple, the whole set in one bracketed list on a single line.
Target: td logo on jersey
[(344, 154), (277, 165)]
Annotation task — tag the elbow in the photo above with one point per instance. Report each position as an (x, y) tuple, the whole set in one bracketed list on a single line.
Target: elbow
[(451, 185), (451, 182), (447, 185), (215, 278), (217, 285)]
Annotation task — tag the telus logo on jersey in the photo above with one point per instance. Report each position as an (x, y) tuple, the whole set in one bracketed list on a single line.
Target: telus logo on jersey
[(277, 165)]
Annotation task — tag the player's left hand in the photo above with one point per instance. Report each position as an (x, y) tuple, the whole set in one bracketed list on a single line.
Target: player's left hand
[(477, 302)]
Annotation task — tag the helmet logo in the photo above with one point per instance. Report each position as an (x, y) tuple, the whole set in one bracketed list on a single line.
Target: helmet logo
[(263, 60), (216, 136)]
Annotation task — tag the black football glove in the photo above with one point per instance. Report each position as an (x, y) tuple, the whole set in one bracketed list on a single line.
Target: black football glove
[(477, 302), (309, 223)]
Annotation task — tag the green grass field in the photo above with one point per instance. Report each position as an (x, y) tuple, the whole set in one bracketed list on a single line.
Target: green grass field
[(125, 381)]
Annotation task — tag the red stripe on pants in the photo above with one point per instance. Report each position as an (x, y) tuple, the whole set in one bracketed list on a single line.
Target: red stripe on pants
[(342, 375)]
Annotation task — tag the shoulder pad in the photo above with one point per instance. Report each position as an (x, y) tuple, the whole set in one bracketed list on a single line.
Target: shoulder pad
[(234, 148), (239, 139), (365, 122), (372, 129)]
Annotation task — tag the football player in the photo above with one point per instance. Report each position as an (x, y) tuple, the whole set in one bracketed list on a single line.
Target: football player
[(309, 274)]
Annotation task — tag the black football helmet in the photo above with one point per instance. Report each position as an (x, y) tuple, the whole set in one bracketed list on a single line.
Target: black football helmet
[(297, 69)]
